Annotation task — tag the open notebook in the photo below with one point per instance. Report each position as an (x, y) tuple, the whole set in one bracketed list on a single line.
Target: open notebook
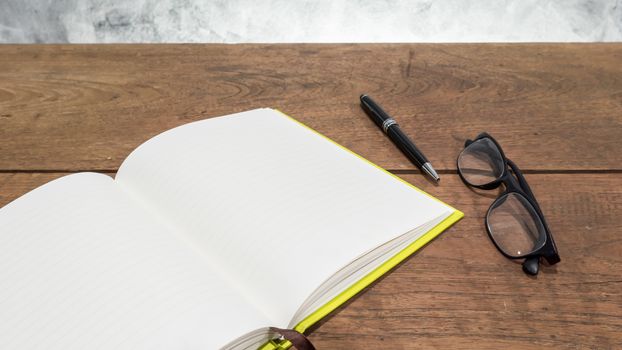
[(210, 233)]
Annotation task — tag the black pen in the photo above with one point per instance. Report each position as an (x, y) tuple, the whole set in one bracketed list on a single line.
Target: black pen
[(390, 127)]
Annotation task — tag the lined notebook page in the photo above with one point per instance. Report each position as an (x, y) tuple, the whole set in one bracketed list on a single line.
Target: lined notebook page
[(278, 207), (82, 268)]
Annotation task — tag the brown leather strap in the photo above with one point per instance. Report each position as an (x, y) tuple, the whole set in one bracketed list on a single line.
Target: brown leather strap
[(299, 340)]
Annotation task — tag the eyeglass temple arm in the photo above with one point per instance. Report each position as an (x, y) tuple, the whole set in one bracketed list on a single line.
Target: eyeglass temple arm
[(523, 182)]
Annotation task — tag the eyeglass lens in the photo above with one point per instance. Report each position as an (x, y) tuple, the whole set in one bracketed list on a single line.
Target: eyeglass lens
[(515, 226), (481, 162)]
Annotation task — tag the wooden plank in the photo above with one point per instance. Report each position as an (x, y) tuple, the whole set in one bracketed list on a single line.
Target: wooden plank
[(459, 292), (77, 107)]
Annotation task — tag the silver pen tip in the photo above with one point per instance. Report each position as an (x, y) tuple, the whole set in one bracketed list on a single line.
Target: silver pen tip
[(427, 167)]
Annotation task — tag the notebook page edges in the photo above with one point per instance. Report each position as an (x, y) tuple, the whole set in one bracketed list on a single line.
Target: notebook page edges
[(81, 267), (361, 284), (358, 269)]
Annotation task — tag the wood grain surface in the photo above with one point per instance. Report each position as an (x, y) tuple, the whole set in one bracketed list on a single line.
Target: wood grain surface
[(565, 99), (556, 110)]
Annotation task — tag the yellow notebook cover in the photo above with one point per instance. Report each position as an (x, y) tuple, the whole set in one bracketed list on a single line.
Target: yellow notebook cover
[(375, 274)]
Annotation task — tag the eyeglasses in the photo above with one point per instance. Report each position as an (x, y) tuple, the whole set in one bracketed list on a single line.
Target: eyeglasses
[(514, 221)]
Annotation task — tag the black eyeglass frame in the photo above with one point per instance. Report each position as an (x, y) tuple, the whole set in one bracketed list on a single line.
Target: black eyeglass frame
[(515, 182)]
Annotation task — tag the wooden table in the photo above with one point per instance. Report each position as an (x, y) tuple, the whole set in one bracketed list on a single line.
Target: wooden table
[(556, 109)]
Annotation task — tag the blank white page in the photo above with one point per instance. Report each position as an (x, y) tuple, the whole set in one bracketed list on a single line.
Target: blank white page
[(278, 207), (81, 267)]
